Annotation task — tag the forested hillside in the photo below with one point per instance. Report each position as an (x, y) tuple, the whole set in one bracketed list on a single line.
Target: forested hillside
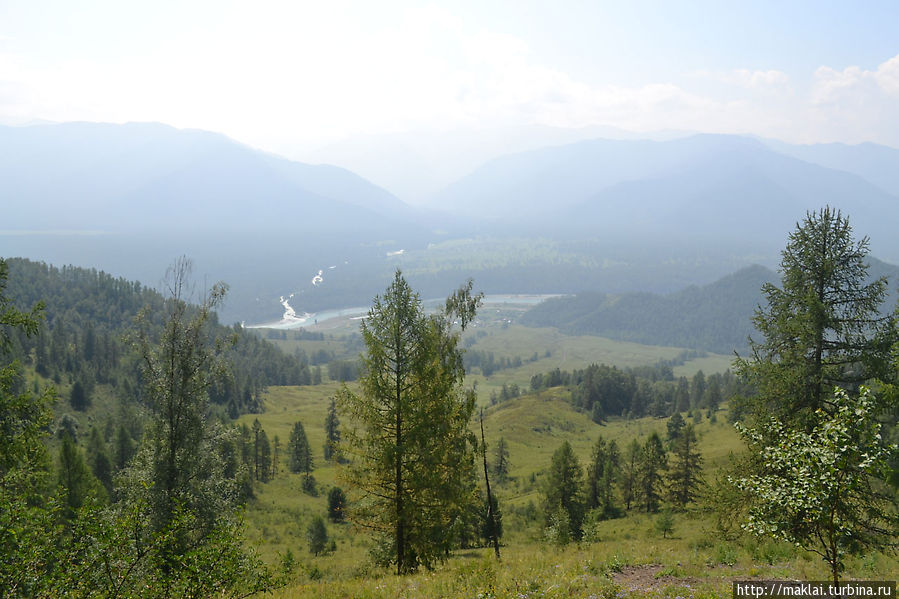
[(715, 317), (88, 317)]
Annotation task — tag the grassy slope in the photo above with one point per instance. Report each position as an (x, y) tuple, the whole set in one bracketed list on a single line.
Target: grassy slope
[(628, 553), (566, 352), (533, 426)]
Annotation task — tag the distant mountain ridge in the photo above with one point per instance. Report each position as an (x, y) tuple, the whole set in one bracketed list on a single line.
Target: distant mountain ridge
[(716, 317), (143, 175), (716, 186)]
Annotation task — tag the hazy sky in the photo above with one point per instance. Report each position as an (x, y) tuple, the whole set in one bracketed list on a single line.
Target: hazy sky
[(276, 74)]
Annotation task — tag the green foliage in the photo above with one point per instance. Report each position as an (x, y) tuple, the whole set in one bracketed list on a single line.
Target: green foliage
[(821, 327), (336, 504), (630, 473), (501, 461), (89, 312), (317, 535), (564, 490), (74, 478), (309, 485), (675, 425), (558, 526), (664, 523), (714, 317), (98, 459), (822, 489), (412, 454), (332, 432), (298, 450), (602, 474), (28, 522), (685, 472), (263, 453), (653, 462), (176, 468)]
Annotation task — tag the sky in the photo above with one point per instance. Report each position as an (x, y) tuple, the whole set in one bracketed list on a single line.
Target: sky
[(291, 76)]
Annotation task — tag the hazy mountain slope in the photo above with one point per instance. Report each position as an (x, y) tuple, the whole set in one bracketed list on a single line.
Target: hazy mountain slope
[(741, 191), (531, 183), (876, 163), (135, 176), (716, 187), (716, 317)]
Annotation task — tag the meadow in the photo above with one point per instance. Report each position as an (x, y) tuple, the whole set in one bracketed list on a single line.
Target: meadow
[(623, 557), (620, 557)]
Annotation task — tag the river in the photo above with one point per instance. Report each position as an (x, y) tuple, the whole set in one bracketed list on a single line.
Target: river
[(292, 320)]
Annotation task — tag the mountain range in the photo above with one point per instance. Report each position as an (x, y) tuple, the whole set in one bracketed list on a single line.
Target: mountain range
[(716, 317), (129, 198), (715, 187), (138, 176)]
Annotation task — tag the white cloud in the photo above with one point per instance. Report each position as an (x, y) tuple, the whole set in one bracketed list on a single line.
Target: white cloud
[(856, 104), (757, 79)]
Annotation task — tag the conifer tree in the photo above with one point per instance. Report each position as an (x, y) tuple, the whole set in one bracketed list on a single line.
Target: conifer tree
[(265, 457), (74, 477), (685, 474), (336, 504), (501, 460), (27, 535), (675, 426), (298, 450), (98, 459), (564, 489), (412, 455), (317, 535), (653, 461), (821, 327), (605, 463), (332, 431), (630, 473), (176, 498)]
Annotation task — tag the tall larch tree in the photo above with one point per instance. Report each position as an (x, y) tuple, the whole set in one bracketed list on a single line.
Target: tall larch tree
[(822, 327), (412, 452)]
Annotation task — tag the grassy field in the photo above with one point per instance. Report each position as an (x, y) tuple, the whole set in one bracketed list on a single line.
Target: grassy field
[(625, 557), (497, 332)]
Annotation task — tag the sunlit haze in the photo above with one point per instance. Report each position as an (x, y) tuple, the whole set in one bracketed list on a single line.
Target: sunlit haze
[(296, 78)]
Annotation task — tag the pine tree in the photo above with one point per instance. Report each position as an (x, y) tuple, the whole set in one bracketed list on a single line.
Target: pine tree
[(78, 397), (685, 474), (501, 460), (564, 488), (697, 389), (822, 327), (332, 431), (317, 535), (653, 461), (123, 447), (98, 459), (675, 426), (412, 453), (336, 504), (682, 395), (276, 455), (74, 479), (630, 473), (265, 457), (605, 463), (298, 450)]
